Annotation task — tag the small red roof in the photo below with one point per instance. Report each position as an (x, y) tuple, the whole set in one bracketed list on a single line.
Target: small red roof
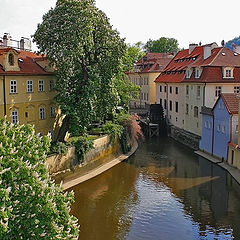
[(27, 63), (231, 102)]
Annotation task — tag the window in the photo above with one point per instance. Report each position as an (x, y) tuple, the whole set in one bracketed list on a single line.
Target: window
[(228, 72), (223, 129), (198, 91), (50, 134), (14, 117), (218, 128), (51, 85), (188, 73), (195, 111), (40, 86), (29, 86), (13, 86), (236, 89), (197, 73), (165, 104), (176, 90), (147, 96), (170, 105), (147, 81), (11, 59), (165, 88), (170, 90), (160, 88), (52, 112), (187, 109), (42, 113), (218, 91), (236, 128), (176, 106), (160, 101), (187, 90)]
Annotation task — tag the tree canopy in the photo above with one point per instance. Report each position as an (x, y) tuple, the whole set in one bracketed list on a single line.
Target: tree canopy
[(32, 206), (162, 45), (78, 38), (236, 41)]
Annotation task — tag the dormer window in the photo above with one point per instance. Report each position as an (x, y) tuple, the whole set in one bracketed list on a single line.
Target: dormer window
[(11, 59), (228, 72), (188, 73), (197, 72)]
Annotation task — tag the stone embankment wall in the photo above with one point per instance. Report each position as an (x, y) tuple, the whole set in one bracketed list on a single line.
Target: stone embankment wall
[(63, 167), (189, 139)]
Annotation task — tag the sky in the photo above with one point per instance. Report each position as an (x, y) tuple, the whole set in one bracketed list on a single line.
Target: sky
[(188, 21)]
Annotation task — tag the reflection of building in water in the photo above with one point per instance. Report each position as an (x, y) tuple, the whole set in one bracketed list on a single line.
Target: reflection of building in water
[(208, 192)]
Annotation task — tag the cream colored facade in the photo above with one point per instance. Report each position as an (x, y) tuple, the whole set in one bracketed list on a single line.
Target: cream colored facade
[(147, 93), (234, 149), (26, 91)]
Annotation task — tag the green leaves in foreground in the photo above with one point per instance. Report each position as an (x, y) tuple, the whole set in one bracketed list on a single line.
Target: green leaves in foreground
[(32, 206)]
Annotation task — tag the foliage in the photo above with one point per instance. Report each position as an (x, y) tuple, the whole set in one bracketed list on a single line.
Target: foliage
[(229, 44), (112, 129), (58, 148), (78, 38), (162, 45), (32, 206), (82, 145)]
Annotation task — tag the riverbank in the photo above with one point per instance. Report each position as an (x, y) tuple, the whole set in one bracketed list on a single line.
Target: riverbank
[(235, 173), (100, 169)]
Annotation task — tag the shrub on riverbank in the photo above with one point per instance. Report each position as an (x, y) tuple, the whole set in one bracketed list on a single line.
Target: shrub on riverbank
[(32, 206)]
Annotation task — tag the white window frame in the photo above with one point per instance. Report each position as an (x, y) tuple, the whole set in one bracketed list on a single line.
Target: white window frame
[(228, 72), (13, 86), (14, 116), (218, 91), (198, 91), (197, 72), (41, 113), (41, 85), (29, 86)]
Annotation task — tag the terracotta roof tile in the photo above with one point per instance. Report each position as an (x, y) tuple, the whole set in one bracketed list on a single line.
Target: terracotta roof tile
[(231, 101), (28, 65)]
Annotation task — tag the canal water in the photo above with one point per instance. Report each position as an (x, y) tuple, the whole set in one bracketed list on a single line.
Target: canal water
[(163, 192)]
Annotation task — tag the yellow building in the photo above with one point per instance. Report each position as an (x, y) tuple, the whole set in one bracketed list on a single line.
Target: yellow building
[(146, 71), (234, 149), (27, 90)]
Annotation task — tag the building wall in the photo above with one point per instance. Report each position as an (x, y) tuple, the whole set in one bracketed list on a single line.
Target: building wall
[(1, 98), (210, 97), (221, 133), (234, 129), (193, 100), (234, 156), (207, 134), (174, 113), (28, 105)]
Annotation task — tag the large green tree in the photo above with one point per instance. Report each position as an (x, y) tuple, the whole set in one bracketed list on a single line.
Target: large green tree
[(32, 206), (78, 38), (162, 45)]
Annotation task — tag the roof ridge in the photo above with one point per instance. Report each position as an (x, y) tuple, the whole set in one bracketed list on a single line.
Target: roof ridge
[(215, 56)]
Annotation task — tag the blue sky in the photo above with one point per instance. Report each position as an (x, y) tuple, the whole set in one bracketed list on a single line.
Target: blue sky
[(188, 21)]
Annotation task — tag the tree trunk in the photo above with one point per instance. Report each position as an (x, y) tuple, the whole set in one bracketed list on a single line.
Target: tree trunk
[(63, 129)]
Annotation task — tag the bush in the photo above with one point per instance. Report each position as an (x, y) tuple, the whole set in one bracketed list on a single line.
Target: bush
[(113, 130), (82, 145), (59, 148)]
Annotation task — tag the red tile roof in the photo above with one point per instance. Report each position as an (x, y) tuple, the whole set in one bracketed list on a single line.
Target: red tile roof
[(231, 102), (153, 62), (212, 66), (28, 65)]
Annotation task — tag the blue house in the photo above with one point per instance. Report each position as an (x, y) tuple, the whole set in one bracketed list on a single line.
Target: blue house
[(220, 125)]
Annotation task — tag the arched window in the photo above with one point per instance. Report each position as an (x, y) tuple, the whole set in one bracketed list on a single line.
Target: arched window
[(11, 59)]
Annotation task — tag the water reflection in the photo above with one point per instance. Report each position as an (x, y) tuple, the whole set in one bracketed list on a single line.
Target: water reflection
[(163, 192)]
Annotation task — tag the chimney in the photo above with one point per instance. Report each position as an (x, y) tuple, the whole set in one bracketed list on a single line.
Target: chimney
[(207, 49), (7, 40), (192, 47), (25, 44)]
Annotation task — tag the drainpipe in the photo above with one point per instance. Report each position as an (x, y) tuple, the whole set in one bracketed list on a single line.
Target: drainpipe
[(204, 88), (4, 96)]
